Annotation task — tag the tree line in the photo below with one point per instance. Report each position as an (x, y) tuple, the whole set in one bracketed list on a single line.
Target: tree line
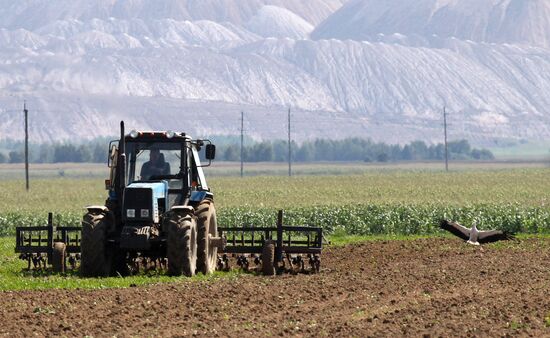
[(351, 149), (90, 152)]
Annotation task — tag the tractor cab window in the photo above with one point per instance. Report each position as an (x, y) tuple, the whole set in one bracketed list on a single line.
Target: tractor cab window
[(154, 161), (155, 166)]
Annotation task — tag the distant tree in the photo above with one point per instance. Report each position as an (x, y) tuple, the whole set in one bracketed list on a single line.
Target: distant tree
[(482, 154), (486, 154), (280, 151), (382, 157), (16, 157), (406, 153), (305, 153), (261, 152), (395, 152), (419, 150), (232, 153), (45, 153), (3, 158), (324, 150), (99, 153), (460, 147), (66, 153), (437, 152), (83, 154)]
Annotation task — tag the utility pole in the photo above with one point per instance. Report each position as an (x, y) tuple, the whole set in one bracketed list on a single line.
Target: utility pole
[(446, 144), (289, 147), (242, 144), (26, 112)]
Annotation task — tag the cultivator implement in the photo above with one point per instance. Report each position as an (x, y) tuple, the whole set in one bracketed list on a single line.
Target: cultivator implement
[(47, 245), (271, 250)]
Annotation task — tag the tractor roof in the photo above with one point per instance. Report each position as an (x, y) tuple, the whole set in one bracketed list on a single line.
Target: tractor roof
[(164, 136)]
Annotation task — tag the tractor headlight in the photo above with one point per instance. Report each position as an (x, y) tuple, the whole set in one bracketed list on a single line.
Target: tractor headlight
[(131, 213), (144, 213), (134, 134), (170, 134)]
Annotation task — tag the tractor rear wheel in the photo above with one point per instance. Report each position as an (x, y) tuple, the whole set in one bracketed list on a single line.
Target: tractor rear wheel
[(58, 257), (207, 227), (94, 260), (268, 258), (181, 249)]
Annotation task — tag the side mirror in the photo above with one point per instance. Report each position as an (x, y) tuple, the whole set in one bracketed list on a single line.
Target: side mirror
[(113, 154), (210, 152)]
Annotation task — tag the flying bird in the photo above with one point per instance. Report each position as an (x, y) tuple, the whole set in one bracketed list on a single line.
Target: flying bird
[(474, 236)]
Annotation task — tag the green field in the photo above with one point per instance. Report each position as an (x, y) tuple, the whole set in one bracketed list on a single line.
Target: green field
[(375, 202)]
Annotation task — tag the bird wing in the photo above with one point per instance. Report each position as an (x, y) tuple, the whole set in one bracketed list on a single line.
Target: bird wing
[(456, 229), (493, 236)]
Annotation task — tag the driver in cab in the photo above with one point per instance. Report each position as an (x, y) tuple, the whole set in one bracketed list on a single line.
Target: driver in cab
[(156, 166)]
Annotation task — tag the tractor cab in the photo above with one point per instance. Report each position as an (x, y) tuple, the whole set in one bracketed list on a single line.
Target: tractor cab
[(153, 174), (163, 165), (172, 162)]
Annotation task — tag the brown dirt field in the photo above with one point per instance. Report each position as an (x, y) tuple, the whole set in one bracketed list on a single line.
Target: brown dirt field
[(383, 288)]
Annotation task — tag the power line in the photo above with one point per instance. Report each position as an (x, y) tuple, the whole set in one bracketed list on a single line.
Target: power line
[(242, 144), (26, 112), (289, 147), (446, 145)]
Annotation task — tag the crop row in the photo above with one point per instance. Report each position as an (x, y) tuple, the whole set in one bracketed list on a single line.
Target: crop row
[(364, 219)]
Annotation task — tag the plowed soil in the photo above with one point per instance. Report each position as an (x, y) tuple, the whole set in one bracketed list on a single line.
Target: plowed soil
[(439, 287)]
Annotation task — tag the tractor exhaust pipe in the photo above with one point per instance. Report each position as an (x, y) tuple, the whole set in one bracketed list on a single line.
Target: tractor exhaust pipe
[(122, 159)]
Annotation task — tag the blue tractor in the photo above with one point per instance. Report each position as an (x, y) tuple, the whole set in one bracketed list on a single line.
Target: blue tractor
[(159, 208)]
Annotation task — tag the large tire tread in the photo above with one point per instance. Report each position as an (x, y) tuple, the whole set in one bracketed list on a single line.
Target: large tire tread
[(94, 260), (206, 225), (181, 248)]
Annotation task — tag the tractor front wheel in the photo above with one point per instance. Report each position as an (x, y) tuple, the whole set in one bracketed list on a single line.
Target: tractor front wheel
[(207, 227), (94, 260), (181, 249)]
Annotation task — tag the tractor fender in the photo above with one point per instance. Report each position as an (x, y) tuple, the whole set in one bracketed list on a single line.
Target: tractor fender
[(183, 209), (199, 196), (101, 209), (97, 208)]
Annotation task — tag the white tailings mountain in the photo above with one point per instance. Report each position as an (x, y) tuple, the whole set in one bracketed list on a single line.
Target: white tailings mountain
[(498, 21), (372, 68)]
